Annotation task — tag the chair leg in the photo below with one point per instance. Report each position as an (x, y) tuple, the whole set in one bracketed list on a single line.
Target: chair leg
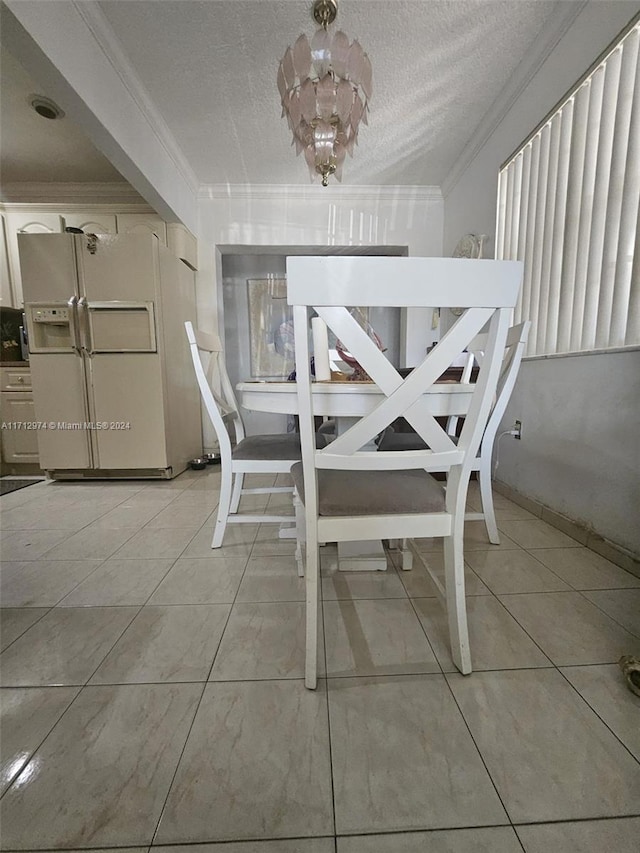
[(406, 556), (237, 492), (313, 611), (455, 598), (300, 532), (486, 495), (224, 504)]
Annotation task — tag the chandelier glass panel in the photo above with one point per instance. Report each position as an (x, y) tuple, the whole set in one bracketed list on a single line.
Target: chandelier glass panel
[(325, 87)]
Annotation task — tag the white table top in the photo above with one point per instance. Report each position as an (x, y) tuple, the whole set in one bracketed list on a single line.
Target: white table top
[(347, 399)]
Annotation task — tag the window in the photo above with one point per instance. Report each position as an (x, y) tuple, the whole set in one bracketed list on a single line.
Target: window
[(568, 207)]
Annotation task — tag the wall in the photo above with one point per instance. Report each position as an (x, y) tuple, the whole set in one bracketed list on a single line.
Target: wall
[(579, 453), (69, 48), (236, 270), (294, 216), (470, 206), (297, 219), (580, 449)]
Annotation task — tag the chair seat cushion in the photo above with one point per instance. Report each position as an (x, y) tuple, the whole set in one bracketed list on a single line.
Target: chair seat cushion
[(374, 492), (260, 447), (406, 441), (401, 441), (265, 447)]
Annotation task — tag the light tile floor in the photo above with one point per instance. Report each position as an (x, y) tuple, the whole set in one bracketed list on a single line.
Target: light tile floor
[(152, 689)]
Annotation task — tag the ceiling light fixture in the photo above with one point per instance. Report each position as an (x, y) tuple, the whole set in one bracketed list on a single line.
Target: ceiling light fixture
[(325, 88), (45, 107)]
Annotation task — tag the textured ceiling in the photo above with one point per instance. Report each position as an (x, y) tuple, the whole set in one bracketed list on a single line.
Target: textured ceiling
[(210, 68), (210, 71), (36, 149)]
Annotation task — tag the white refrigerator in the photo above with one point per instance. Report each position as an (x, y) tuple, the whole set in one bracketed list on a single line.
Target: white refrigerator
[(114, 390)]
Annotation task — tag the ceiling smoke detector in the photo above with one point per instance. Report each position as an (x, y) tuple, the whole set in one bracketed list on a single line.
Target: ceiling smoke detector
[(45, 107)]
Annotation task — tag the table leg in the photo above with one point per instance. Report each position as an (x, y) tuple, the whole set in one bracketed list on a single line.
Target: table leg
[(368, 556)]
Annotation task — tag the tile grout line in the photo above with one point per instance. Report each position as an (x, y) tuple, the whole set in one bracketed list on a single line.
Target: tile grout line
[(590, 706), (602, 610), (558, 592), (39, 745), (226, 624), (524, 630), (85, 686), (84, 527), (204, 687), (102, 515), (495, 596), (47, 609), (557, 666), (478, 750), (178, 762), (327, 703)]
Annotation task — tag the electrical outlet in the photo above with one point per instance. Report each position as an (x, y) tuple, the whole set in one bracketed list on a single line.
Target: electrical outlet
[(517, 430)]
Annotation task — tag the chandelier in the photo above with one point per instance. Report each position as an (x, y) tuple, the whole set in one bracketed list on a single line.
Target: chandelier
[(325, 87)]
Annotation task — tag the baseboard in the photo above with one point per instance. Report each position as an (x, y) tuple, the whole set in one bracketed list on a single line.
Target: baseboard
[(587, 537)]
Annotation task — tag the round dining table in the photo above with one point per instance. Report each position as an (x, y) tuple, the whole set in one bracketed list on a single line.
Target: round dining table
[(346, 399)]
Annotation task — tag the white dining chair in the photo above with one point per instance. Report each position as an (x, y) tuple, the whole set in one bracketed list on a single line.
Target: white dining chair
[(348, 491), (255, 454), (514, 350)]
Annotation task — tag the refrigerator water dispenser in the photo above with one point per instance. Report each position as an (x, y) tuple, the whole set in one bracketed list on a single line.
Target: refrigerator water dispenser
[(49, 328)]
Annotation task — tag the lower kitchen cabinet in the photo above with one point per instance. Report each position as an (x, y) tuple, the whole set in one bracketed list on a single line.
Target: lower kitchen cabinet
[(19, 437)]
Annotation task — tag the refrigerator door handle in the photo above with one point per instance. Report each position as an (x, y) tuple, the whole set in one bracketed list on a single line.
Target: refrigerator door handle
[(83, 310), (72, 304)]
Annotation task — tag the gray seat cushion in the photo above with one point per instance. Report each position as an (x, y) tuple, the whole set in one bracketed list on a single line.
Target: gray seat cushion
[(401, 441), (260, 447), (406, 441), (374, 492), (264, 447)]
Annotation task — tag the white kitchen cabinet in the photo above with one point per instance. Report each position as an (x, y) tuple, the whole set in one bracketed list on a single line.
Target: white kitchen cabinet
[(141, 223), (19, 433), (6, 295), (182, 244), (91, 221), (113, 219), (30, 221), (15, 377)]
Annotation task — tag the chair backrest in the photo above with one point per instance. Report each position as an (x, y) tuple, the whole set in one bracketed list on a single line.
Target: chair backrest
[(465, 378), (515, 347), (215, 386), (486, 289)]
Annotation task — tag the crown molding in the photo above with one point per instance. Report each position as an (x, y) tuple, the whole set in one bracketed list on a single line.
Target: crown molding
[(552, 32), (85, 194), (120, 192), (99, 27), (314, 192)]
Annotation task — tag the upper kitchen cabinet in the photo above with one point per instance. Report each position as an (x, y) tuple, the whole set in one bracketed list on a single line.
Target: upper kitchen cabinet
[(142, 223), (182, 244), (92, 222), (26, 222), (6, 297), (109, 219)]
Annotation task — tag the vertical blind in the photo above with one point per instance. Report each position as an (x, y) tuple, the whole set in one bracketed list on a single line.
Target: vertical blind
[(568, 207)]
